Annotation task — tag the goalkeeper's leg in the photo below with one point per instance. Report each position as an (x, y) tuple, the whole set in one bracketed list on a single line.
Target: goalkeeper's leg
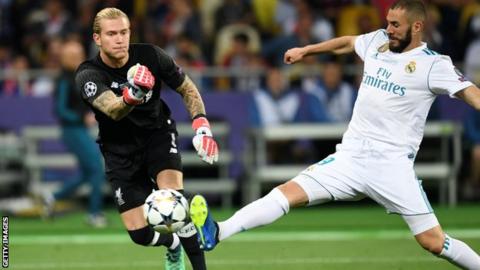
[(188, 238), (431, 237), (143, 234)]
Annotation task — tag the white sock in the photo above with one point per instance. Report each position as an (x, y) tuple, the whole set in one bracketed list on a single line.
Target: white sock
[(258, 213), (175, 243), (460, 254)]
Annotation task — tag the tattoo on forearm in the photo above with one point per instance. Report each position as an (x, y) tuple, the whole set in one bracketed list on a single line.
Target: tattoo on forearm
[(112, 105), (191, 97)]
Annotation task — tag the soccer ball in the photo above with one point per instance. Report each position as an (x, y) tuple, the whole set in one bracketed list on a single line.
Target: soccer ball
[(166, 210)]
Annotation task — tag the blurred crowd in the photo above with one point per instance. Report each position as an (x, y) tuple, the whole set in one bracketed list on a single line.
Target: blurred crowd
[(230, 35)]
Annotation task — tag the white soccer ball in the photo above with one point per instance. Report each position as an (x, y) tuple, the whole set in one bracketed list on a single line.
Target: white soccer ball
[(131, 73), (166, 210)]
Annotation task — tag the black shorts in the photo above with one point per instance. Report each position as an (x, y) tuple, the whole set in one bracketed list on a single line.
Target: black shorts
[(133, 177)]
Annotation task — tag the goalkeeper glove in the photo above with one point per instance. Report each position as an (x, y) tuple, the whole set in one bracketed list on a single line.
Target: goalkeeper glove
[(203, 141), (140, 82)]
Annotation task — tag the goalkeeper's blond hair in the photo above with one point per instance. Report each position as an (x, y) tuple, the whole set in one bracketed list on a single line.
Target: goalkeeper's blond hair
[(107, 13)]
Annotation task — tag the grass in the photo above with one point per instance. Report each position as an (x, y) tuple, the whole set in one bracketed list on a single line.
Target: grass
[(342, 237)]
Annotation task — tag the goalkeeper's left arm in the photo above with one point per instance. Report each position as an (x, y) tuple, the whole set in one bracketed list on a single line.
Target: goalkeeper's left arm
[(203, 140)]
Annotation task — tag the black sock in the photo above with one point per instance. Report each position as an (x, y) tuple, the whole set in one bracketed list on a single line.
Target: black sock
[(146, 236), (194, 253), (191, 246)]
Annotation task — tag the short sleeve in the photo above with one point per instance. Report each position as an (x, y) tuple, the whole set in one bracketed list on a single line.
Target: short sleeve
[(362, 42), (91, 84), (444, 78), (171, 73)]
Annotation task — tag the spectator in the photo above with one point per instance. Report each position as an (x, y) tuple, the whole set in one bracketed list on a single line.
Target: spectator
[(277, 104), (75, 120), (471, 188), (336, 95), (357, 19), (17, 82), (44, 84), (433, 36), (308, 29), (472, 61), (52, 21), (181, 19), (233, 12), (245, 60)]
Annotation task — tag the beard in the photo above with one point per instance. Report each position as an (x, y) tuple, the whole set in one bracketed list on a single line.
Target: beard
[(402, 43)]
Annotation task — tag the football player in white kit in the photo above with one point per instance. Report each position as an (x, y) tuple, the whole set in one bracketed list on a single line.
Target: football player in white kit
[(401, 79)]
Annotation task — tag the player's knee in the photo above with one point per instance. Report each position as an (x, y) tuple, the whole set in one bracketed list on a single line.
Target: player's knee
[(431, 243), (142, 236), (291, 193)]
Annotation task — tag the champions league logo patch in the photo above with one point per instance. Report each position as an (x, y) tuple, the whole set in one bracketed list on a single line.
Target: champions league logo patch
[(90, 89), (411, 67), (461, 77)]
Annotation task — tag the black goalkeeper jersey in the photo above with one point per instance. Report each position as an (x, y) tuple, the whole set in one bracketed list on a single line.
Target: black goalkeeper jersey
[(131, 133)]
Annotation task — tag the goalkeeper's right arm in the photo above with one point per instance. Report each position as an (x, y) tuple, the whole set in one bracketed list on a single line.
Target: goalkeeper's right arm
[(140, 81)]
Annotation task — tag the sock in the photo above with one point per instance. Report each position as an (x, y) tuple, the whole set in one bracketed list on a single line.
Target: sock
[(146, 236), (188, 238), (175, 242), (460, 254), (258, 213)]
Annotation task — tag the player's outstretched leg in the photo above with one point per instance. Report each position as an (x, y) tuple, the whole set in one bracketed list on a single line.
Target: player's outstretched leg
[(460, 254), (207, 228), (258, 213), (440, 244)]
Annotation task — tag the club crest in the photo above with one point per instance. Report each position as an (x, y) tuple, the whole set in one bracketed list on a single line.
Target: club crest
[(411, 67)]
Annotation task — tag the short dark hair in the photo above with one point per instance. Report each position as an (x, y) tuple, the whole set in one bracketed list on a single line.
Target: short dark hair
[(415, 9)]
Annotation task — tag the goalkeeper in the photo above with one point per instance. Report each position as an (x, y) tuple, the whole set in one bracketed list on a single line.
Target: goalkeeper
[(137, 137)]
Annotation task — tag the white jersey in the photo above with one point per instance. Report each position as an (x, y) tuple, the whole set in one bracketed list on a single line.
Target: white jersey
[(397, 91)]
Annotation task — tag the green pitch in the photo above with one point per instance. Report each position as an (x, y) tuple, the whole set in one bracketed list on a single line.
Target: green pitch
[(324, 237)]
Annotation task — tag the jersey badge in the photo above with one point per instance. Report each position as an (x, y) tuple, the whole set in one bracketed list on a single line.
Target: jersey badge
[(148, 96), (90, 89), (411, 67), (118, 196), (383, 48)]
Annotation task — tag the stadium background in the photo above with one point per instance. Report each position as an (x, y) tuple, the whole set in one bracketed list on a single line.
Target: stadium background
[(200, 36)]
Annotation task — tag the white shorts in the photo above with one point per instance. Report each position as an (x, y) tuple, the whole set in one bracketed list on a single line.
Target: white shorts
[(363, 168)]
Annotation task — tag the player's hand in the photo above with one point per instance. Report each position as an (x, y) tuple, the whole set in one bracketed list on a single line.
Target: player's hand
[(203, 141), (132, 95), (294, 55), (140, 77), (140, 82)]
